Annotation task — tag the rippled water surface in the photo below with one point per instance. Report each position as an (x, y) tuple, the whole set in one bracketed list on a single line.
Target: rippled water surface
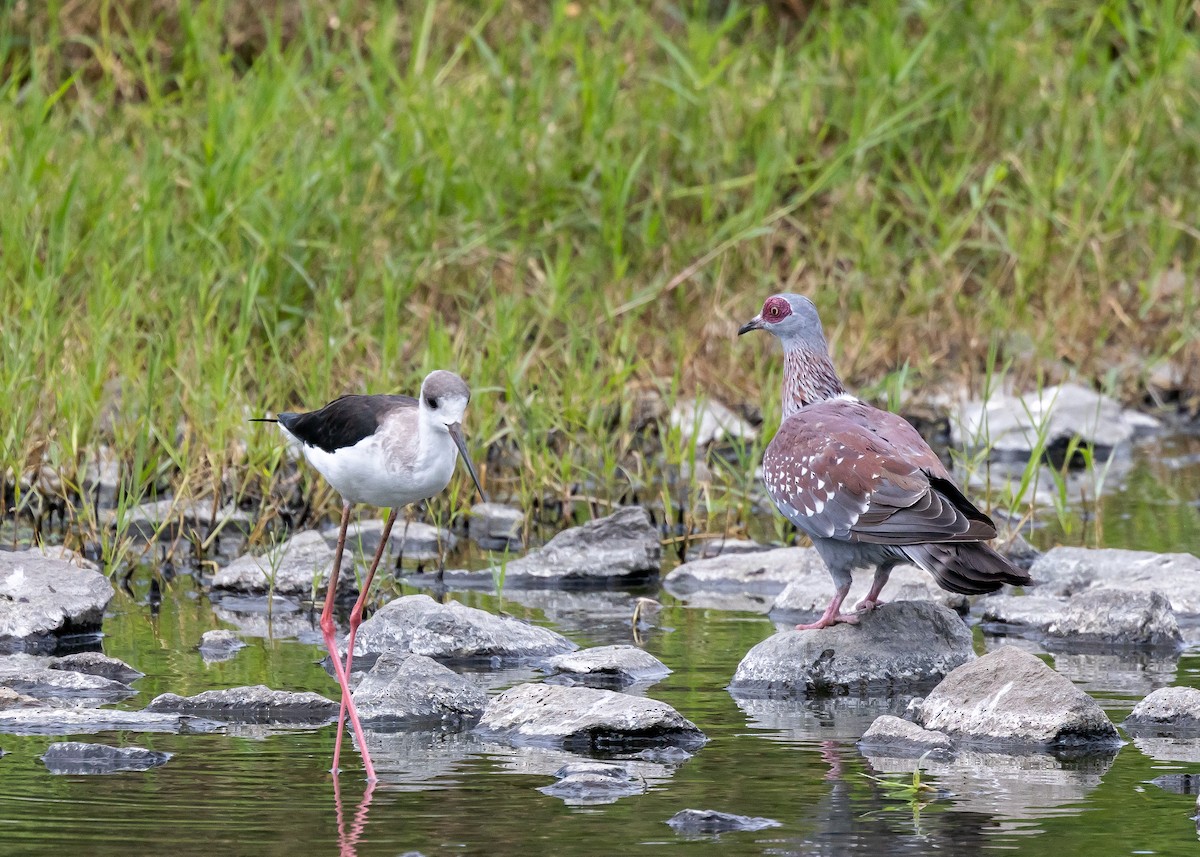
[(256, 792)]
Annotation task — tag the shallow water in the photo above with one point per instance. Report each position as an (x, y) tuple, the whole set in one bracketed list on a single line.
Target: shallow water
[(253, 792)]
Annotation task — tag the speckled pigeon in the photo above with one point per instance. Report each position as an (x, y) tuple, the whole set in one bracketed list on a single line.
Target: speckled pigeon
[(861, 482)]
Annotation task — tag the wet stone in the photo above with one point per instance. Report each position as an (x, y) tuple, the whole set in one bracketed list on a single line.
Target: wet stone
[(894, 736), (79, 721), (608, 666), (898, 645), (456, 633), (95, 663), (1010, 698), (413, 540), (710, 821), (594, 783), (496, 526), (54, 684), (404, 690), (220, 645), (77, 757), (1068, 571), (256, 704), (297, 567), (12, 699), (1117, 617), (45, 599), (583, 719), (1168, 709)]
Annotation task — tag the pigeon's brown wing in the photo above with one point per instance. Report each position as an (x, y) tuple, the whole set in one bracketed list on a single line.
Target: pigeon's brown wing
[(836, 478)]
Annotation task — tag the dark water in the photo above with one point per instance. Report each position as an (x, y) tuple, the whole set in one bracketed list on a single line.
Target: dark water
[(254, 792)]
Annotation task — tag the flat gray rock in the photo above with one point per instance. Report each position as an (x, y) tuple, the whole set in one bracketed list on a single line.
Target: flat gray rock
[(901, 644), (455, 632), (609, 666), (622, 548), (584, 719), (406, 690), (297, 566), (1067, 571), (1020, 612), (1174, 709), (95, 663), (892, 736), (220, 645), (710, 548), (710, 821), (45, 683), (255, 704), (1117, 617), (169, 519), (1011, 699), (588, 783), (80, 721), (414, 540), (44, 598), (765, 572), (77, 757), (496, 526), (1012, 425)]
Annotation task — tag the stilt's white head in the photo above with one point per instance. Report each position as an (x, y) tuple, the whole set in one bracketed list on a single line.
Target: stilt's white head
[(443, 404)]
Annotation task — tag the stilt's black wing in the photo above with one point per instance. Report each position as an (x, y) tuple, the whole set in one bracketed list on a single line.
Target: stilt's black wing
[(345, 421)]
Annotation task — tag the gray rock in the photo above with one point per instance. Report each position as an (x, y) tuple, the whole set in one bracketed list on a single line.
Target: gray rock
[(95, 663), (496, 527), (12, 700), (220, 645), (620, 549), (256, 704), (77, 757), (80, 721), (594, 783), (299, 565), (455, 632), (586, 720), (811, 594), (1117, 617), (413, 540), (1179, 784), (1067, 571), (44, 683), (1011, 699), (102, 476), (760, 572), (898, 645), (172, 518), (709, 548), (404, 690), (894, 736), (708, 421), (709, 821), (1174, 709), (1012, 425), (1020, 612), (609, 666), (44, 599)]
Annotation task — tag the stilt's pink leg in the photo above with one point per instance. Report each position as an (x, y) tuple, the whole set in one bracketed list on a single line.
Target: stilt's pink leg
[(329, 632)]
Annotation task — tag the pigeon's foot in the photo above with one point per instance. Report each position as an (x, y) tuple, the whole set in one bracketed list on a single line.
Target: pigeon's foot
[(826, 621), (867, 604)]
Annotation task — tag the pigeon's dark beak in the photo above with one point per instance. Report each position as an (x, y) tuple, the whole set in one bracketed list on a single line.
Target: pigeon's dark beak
[(461, 443), (755, 323)]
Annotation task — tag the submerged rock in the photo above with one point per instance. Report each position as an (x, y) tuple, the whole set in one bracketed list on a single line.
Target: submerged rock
[(586, 720), (455, 632), (414, 540), (44, 599), (609, 666), (710, 821), (1067, 571), (95, 663), (897, 645), (594, 783), (45, 683), (1010, 698), (622, 548), (894, 736), (79, 721), (220, 645), (77, 757), (1175, 709), (1017, 425), (496, 527), (256, 704), (404, 690), (296, 567)]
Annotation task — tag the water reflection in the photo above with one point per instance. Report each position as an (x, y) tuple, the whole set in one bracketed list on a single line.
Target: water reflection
[(348, 838), (819, 718)]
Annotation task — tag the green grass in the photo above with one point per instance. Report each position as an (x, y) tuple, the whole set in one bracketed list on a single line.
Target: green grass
[(567, 203)]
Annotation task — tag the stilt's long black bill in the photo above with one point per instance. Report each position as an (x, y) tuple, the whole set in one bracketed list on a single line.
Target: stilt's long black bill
[(461, 443)]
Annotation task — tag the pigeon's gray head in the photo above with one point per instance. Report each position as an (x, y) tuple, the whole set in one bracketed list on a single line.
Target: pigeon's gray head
[(792, 318), (444, 397)]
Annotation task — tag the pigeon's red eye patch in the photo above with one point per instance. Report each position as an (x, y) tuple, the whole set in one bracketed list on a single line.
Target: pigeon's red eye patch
[(776, 309)]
